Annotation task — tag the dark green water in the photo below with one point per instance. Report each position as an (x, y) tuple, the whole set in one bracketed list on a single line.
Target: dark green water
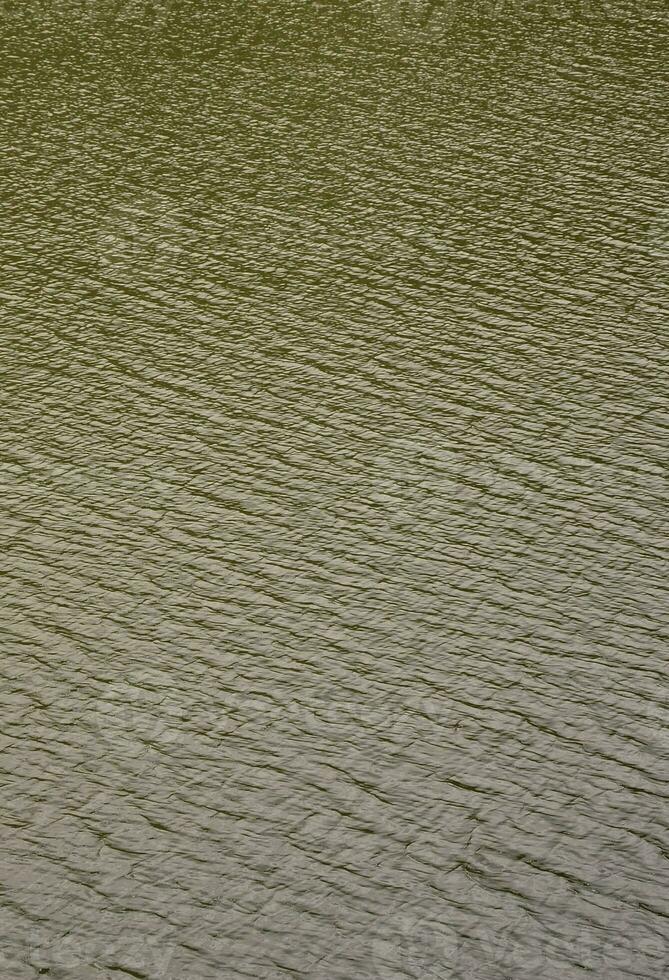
[(334, 481)]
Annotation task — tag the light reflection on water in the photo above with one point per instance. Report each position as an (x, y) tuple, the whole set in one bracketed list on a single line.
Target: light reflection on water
[(334, 464)]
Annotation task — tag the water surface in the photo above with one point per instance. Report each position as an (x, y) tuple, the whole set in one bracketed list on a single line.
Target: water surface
[(334, 468)]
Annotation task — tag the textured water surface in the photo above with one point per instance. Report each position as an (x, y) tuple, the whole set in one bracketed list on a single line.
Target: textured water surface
[(334, 481)]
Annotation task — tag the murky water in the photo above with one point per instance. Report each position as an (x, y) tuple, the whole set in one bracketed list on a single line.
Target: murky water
[(334, 470)]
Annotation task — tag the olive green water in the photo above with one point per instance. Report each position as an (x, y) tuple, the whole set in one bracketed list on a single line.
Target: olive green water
[(334, 449)]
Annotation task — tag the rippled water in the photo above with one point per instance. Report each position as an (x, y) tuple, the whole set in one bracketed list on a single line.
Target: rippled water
[(334, 468)]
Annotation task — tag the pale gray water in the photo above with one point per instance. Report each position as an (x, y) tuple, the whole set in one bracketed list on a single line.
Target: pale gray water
[(334, 463)]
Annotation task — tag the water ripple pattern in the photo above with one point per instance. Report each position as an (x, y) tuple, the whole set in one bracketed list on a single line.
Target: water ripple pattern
[(334, 490)]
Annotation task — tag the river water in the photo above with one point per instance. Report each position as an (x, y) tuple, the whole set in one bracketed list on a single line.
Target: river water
[(334, 456)]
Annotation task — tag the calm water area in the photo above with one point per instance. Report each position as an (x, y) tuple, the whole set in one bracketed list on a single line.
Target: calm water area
[(333, 462)]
